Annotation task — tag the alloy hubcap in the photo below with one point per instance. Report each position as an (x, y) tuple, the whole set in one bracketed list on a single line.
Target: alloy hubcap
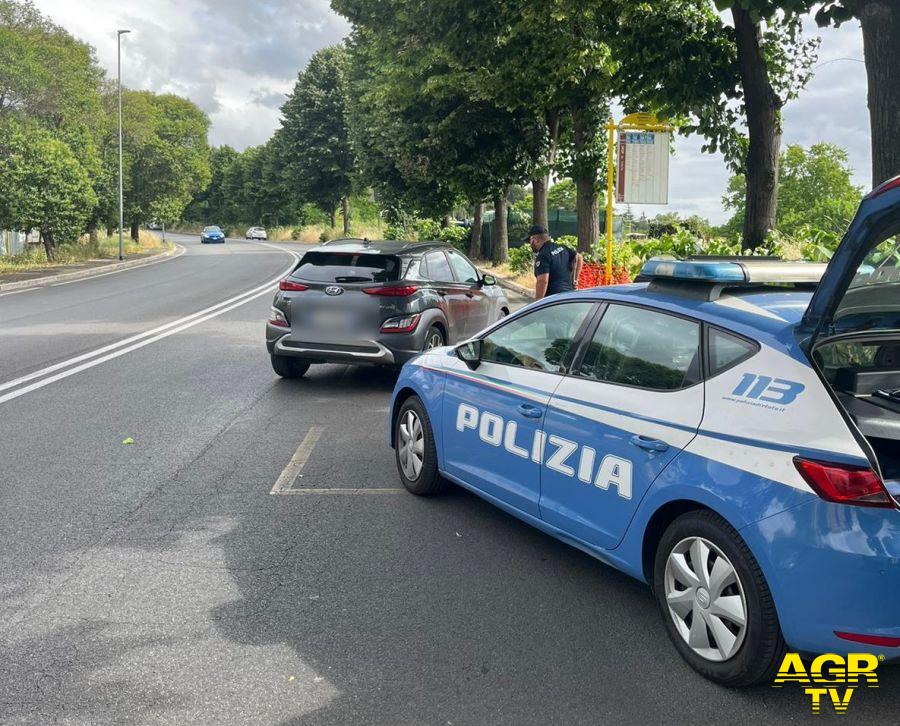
[(706, 599), (434, 341), (411, 448)]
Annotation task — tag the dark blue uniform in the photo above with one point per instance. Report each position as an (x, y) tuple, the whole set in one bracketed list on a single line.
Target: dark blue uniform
[(556, 261)]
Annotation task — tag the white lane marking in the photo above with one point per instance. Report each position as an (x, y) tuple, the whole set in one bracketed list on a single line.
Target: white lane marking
[(344, 490), (287, 477), (16, 292), (175, 256), (255, 292), (116, 354)]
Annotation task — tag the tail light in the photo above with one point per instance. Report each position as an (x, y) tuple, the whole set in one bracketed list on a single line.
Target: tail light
[(392, 291), (844, 484), (400, 324), (877, 640), (291, 286), (276, 317)]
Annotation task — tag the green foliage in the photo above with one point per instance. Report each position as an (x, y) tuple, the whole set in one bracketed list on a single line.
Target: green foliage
[(562, 195), (567, 240), (816, 197), (428, 229), (521, 259), (42, 184), (456, 236), (316, 150)]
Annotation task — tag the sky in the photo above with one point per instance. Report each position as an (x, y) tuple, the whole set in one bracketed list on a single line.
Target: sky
[(237, 59)]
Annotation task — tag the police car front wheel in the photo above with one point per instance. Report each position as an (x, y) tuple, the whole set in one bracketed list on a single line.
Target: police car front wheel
[(715, 602), (415, 451)]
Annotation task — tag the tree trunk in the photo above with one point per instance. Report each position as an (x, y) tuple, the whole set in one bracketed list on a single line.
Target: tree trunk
[(345, 213), (764, 127), (588, 214), (332, 213), (110, 231), (94, 234), (541, 185), (880, 20), (49, 245), (586, 186), (475, 232), (539, 188), (499, 233), (135, 229)]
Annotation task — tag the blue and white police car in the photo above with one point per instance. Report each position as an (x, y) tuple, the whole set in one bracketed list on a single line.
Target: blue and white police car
[(726, 430)]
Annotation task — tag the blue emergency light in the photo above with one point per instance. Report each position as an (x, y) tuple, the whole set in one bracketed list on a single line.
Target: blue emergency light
[(734, 271)]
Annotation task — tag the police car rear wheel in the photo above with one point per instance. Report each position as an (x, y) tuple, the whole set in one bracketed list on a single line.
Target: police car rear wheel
[(715, 602), (415, 451)]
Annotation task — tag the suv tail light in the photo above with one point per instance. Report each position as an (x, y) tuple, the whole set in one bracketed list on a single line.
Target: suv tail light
[(291, 286), (391, 291), (400, 324), (276, 317), (844, 484)]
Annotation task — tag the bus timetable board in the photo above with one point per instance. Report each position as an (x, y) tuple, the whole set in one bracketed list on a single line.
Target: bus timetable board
[(643, 169)]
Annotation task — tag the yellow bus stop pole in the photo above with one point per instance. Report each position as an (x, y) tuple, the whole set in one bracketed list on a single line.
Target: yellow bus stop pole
[(610, 171)]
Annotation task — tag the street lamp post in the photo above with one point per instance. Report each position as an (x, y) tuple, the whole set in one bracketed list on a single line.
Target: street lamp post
[(119, 34)]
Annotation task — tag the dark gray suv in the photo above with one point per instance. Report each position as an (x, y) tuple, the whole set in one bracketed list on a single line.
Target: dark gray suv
[(356, 301)]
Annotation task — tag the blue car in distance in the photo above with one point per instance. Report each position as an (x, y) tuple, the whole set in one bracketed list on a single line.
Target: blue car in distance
[(212, 235), (725, 429)]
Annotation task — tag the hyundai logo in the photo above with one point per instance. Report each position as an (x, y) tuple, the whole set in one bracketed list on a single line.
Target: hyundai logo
[(334, 290)]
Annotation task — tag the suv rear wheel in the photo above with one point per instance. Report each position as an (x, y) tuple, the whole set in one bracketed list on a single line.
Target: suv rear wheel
[(715, 602), (288, 367)]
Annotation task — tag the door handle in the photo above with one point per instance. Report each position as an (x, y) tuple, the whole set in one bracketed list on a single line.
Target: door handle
[(470, 294), (529, 411), (644, 442), (441, 292)]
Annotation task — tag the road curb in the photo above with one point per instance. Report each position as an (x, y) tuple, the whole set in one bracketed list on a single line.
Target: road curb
[(508, 284), (176, 251)]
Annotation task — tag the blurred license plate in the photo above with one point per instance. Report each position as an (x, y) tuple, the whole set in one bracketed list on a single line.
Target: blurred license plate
[(334, 320)]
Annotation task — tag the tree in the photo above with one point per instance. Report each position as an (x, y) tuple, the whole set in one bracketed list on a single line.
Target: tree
[(880, 21), (815, 192), (166, 156), (317, 148), (42, 185), (562, 195)]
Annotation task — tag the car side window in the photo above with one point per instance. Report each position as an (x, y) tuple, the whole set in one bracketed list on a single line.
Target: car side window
[(540, 340), (727, 350), (438, 267), (638, 347), (462, 268)]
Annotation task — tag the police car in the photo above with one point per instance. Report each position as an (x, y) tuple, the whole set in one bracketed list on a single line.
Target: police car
[(726, 430)]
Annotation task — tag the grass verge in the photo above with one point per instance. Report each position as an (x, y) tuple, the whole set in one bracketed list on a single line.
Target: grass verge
[(35, 258)]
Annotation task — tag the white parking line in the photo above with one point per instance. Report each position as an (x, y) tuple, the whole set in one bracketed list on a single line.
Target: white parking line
[(343, 490), (287, 477)]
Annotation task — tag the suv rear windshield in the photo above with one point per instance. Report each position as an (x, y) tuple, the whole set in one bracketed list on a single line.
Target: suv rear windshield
[(347, 267)]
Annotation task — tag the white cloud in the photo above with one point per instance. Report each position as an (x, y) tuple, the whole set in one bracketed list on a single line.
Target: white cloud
[(234, 57)]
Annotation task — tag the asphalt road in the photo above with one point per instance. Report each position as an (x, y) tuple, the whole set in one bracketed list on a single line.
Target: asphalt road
[(161, 582)]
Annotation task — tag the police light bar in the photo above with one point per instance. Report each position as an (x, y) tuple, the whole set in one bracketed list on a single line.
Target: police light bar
[(734, 271)]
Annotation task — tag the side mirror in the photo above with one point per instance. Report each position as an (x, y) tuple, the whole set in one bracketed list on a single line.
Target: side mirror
[(488, 280), (469, 353)]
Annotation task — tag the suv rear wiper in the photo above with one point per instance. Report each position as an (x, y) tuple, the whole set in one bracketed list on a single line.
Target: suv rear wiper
[(353, 278)]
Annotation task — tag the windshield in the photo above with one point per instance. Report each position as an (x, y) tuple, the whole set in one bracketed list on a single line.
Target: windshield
[(873, 298), (347, 267), (210, 229)]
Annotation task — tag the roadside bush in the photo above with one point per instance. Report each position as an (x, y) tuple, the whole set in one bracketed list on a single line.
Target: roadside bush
[(567, 240), (456, 236), (520, 259), (428, 229)]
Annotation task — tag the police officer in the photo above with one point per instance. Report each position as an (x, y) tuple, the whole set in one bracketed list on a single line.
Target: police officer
[(555, 266)]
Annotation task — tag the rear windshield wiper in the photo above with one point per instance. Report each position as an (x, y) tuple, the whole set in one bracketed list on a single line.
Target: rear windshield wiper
[(353, 278)]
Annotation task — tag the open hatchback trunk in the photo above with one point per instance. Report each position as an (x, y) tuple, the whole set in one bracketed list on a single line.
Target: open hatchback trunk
[(852, 326)]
